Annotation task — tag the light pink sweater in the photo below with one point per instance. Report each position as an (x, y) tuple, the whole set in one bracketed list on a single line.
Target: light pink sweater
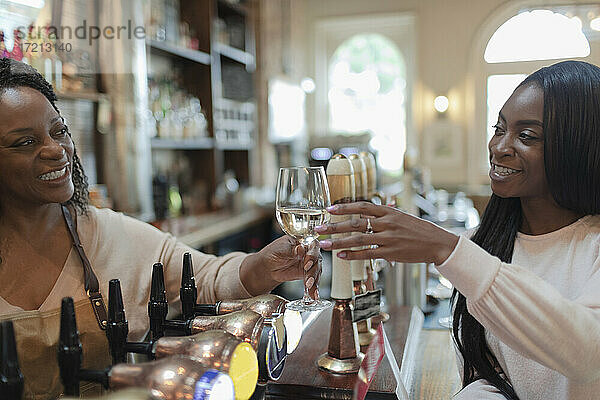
[(120, 247), (541, 312)]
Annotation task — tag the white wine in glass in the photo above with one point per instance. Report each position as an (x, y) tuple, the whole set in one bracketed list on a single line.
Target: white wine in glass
[(302, 199)]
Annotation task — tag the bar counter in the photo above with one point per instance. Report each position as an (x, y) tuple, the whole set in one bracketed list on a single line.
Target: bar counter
[(302, 379), (201, 230)]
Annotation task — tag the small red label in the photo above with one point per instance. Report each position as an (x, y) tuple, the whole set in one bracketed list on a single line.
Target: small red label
[(369, 365)]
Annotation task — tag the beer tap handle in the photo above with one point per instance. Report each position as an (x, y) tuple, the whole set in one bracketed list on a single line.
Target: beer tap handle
[(157, 306), (117, 328), (188, 292), (183, 327), (70, 353), (98, 376), (11, 378), (146, 348), (206, 309)]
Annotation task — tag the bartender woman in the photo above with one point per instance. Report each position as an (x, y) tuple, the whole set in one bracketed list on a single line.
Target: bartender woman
[(527, 312), (53, 244)]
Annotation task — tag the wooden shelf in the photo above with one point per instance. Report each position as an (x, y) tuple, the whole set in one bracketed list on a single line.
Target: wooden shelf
[(201, 143), (235, 54), (232, 145), (181, 52), (90, 96)]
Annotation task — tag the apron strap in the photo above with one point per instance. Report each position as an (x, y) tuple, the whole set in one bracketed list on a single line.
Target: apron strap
[(92, 287)]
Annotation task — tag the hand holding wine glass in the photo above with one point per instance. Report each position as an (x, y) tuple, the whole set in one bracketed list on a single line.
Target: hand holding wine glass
[(302, 199)]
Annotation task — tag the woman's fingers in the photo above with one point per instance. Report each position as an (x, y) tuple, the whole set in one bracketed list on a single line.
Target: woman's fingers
[(353, 225), (366, 254), (350, 241), (299, 251), (313, 273), (359, 207)]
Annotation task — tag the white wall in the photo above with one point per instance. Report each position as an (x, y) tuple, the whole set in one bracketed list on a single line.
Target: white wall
[(450, 39)]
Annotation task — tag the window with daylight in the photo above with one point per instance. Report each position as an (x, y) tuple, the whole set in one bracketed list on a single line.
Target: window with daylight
[(524, 43), (367, 82), (537, 35), (499, 88)]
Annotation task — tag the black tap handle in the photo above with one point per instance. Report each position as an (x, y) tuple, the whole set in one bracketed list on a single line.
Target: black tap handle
[(182, 327), (98, 376), (188, 292), (117, 328), (70, 353), (206, 309), (157, 306), (146, 348), (11, 378)]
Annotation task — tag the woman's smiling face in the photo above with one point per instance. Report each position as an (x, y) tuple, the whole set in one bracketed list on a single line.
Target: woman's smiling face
[(36, 151), (517, 147)]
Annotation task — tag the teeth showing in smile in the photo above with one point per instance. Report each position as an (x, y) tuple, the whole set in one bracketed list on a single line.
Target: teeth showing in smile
[(53, 175), (502, 171)]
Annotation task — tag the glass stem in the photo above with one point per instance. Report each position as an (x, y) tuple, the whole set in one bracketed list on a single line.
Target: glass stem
[(306, 299)]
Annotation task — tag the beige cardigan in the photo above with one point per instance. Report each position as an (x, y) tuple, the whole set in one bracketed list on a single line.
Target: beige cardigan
[(120, 247)]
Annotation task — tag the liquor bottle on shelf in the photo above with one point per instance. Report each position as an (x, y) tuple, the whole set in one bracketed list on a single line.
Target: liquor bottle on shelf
[(172, 21), (160, 188), (17, 51), (178, 114), (45, 52), (3, 51), (55, 59), (156, 20), (171, 378), (33, 50)]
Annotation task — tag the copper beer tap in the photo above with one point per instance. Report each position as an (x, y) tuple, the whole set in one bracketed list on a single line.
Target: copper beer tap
[(215, 349), (267, 336), (267, 305), (171, 378)]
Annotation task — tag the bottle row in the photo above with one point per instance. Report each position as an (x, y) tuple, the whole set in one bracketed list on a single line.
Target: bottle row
[(66, 66)]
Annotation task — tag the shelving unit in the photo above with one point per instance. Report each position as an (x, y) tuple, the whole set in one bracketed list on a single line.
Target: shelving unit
[(221, 75), (170, 50), (182, 144)]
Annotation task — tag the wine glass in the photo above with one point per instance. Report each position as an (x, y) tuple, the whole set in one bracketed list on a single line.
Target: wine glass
[(302, 199)]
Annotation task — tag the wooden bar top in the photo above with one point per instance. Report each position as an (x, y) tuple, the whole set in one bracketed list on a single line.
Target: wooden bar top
[(302, 379)]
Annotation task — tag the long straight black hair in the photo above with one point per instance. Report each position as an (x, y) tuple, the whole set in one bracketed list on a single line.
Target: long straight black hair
[(571, 128)]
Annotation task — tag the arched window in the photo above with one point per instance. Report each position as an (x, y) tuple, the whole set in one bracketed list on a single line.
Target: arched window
[(525, 42), (537, 35), (367, 82)]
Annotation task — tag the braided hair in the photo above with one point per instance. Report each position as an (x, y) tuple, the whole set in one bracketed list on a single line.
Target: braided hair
[(15, 74)]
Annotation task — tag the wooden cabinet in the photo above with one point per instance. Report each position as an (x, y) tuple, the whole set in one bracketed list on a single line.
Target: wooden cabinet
[(220, 73)]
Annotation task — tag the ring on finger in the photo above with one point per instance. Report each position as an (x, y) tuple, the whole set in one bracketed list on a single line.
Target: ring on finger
[(369, 227)]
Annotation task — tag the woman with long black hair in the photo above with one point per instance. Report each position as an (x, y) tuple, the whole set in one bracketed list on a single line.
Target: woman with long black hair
[(526, 308)]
